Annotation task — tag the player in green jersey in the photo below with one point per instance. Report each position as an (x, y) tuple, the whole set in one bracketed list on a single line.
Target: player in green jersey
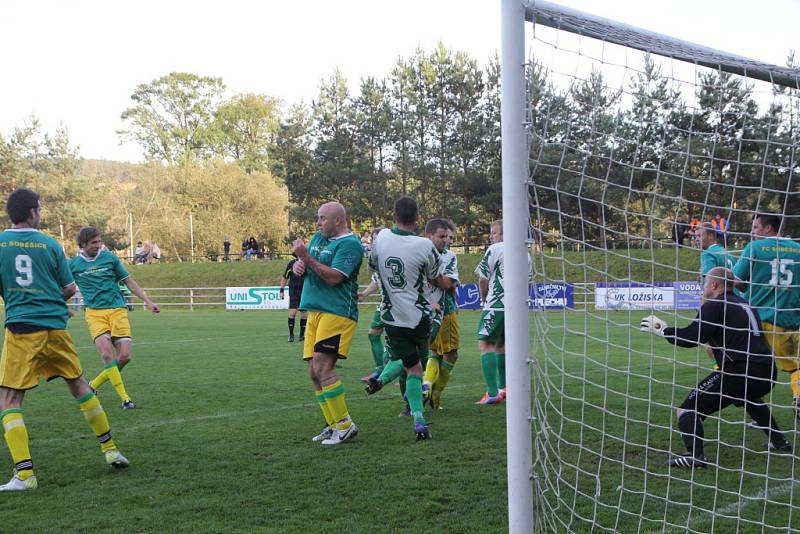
[(330, 295), (771, 265), (713, 253), (35, 283), (98, 274)]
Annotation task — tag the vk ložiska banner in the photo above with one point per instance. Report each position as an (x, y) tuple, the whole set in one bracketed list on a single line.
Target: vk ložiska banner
[(650, 296), (551, 296), (256, 298)]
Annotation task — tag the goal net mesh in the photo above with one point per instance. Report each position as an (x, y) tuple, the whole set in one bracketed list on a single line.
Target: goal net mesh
[(635, 139)]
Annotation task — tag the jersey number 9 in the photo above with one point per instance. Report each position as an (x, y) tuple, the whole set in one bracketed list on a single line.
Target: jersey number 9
[(24, 266)]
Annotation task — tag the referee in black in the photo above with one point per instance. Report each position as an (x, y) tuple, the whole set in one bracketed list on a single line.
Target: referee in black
[(295, 291), (746, 368)]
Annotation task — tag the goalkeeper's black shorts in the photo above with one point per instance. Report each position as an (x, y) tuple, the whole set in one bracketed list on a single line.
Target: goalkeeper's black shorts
[(738, 384)]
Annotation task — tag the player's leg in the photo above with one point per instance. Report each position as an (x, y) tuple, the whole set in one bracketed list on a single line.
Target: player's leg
[(451, 340), (701, 402), (17, 374), (291, 322), (308, 353), (333, 337), (786, 349), (434, 356), (759, 382), (62, 361), (376, 345), (501, 369), (124, 349), (489, 335)]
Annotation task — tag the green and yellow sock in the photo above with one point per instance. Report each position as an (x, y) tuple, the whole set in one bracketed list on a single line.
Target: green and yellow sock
[(98, 420), (323, 405), (489, 368), (115, 377), (501, 370), (414, 397), (432, 369), (100, 379), (334, 395), (376, 344), (444, 376), (17, 440)]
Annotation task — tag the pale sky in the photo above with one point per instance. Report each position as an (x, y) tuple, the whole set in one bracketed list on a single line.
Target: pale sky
[(77, 62)]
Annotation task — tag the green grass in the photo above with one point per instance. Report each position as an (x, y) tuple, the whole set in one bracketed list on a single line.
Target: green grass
[(608, 395), (221, 442), (572, 266)]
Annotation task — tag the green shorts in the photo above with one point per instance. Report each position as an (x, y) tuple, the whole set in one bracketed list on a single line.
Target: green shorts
[(408, 344), (491, 326), (377, 322)]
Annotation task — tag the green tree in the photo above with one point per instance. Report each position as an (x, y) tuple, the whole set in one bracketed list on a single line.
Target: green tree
[(173, 117), (248, 127)]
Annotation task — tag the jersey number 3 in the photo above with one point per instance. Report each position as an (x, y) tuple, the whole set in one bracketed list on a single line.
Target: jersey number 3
[(24, 266), (398, 268), (781, 272)]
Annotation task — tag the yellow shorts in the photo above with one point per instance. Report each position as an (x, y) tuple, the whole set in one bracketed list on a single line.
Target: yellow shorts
[(449, 337), (44, 354), (113, 321), (326, 332), (785, 345)]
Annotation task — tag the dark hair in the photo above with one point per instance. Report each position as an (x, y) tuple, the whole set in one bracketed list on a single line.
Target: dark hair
[(86, 234), (20, 203), (770, 219), (405, 210), (439, 223)]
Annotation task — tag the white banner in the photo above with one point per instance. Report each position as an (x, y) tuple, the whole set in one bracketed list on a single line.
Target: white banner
[(256, 298), (634, 296)]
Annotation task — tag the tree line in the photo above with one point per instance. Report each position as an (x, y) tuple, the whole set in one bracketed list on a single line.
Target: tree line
[(607, 165)]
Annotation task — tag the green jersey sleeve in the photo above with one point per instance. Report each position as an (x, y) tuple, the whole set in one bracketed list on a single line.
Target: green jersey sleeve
[(120, 270), (742, 268), (348, 256)]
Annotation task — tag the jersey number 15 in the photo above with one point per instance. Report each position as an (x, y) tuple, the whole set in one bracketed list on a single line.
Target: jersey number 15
[(782, 274)]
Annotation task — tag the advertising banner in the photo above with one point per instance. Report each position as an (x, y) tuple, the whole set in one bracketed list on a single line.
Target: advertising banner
[(688, 295), (256, 298), (553, 296), (634, 296)]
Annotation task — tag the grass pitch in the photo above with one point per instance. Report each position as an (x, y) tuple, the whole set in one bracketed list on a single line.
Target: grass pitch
[(221, 441)]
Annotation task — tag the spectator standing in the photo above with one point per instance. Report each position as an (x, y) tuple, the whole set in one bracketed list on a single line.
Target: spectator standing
[(226, 249)]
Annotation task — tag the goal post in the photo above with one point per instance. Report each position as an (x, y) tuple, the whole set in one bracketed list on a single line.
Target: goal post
[(615, 141)]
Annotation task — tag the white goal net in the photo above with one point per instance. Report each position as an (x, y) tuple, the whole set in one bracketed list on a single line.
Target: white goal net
[(634, 142)]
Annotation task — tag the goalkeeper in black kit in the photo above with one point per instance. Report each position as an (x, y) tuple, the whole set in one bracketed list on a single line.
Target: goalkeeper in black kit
[(746, 372)]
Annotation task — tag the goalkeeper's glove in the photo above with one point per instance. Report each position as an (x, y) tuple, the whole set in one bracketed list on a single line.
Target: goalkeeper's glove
[(653, 325)]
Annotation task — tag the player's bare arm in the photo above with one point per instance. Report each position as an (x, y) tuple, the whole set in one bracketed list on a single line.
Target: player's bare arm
[(139, 292)]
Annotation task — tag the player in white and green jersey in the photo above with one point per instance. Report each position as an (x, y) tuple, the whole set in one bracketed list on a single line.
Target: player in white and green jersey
[(405, 263), (98, 274), (330, 295), (35, 283), (445, 335), (491, 325), (771, 265)]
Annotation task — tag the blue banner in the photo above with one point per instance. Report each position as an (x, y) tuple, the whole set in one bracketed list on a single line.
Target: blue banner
[(688, 295), (554, 296)]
